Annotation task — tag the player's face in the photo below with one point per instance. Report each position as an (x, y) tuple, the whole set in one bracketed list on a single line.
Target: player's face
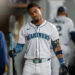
[(35, 14), (62, 14)]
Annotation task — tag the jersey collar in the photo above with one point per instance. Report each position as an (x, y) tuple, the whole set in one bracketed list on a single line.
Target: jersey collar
[(33, 25)]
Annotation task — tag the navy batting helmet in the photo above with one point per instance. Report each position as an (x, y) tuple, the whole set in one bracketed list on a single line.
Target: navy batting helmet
[(62, 9)]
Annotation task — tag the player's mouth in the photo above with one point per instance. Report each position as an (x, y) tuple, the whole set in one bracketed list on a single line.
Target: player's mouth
[(35, 18)]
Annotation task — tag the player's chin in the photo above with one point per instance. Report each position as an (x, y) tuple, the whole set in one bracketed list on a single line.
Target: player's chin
[(35, 20)]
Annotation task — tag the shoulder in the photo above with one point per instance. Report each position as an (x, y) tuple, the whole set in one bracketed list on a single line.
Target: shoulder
[(25, 26), (51, 25), (69, 20)]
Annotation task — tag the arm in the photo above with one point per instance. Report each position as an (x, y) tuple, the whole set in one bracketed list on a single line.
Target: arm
[(19, 45), (63, 70), (17, 49), (58, 51), (72, 30), (21, 41)]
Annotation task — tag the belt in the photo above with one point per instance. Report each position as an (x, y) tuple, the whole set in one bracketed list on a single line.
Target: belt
[(38, 60)]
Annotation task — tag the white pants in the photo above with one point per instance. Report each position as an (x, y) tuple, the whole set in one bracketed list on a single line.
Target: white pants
[(55, 63), (31, 68)]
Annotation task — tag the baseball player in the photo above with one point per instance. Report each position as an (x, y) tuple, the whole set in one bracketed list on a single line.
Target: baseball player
[(66, 31), (3, 54), (37, 37)]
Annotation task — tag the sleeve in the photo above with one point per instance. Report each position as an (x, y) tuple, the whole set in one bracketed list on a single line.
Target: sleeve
[(19, 48), (21, 39), (54, 34)]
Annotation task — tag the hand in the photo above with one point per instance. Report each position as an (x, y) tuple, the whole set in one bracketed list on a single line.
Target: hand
[(63, 70), (12, 53)]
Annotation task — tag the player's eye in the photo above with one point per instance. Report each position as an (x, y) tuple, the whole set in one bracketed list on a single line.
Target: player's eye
[(35, 11)]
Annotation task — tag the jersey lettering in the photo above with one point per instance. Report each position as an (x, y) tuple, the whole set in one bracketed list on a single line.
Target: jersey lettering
[(39, 35)]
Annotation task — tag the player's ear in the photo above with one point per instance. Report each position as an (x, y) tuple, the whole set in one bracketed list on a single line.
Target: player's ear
[(40, 9)]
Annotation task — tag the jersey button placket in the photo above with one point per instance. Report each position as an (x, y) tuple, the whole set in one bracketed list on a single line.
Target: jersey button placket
[(37, 53)]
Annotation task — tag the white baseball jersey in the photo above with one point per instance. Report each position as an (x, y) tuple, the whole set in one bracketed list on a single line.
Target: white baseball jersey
[(38, 39), (64, 26)]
